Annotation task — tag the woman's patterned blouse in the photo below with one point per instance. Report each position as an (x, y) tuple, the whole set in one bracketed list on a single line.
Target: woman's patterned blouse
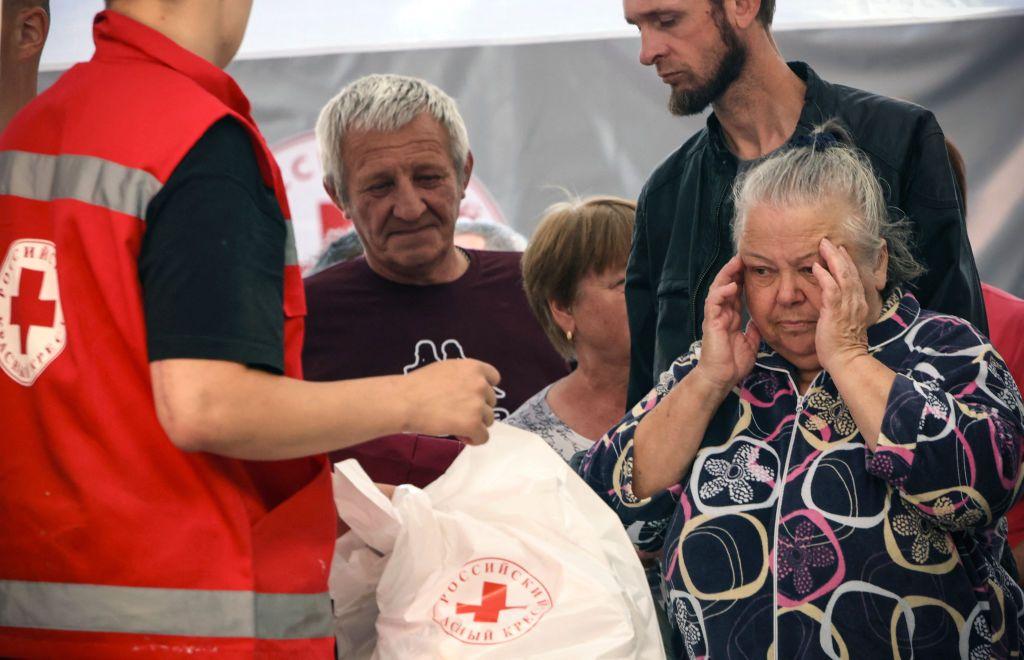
[(789, 538)]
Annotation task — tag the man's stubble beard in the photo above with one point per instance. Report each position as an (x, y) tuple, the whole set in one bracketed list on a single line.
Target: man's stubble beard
[(685, 102)]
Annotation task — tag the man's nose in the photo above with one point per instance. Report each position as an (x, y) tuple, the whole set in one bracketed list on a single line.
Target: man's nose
[(651, 47), (409, 204)]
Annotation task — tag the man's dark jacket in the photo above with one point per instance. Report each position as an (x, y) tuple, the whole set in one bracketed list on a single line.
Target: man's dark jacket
[(682, 236)]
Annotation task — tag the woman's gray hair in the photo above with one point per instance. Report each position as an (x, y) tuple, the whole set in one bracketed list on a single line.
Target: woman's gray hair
[(384, 102), (824, 166)]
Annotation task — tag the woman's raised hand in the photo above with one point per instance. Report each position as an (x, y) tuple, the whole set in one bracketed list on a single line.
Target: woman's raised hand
[(842, 332), (727, 351)]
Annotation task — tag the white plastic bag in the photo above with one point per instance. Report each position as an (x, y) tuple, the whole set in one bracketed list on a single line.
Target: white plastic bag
[(507, 555)]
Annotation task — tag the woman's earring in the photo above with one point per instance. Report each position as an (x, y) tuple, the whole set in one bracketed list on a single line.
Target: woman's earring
[(568, 335)]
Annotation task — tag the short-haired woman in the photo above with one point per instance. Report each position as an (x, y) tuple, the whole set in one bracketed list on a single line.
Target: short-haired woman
[(574, 273)]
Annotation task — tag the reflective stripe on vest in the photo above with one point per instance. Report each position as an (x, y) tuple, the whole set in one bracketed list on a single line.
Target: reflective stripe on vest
[(88, 179), (155, 611), (291, 253), (92, 180)]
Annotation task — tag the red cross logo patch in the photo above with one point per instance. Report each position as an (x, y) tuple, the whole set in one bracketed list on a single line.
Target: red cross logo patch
[(32, 331)]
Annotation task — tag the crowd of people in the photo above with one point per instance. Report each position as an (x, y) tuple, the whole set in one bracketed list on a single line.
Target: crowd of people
[(775, 366)]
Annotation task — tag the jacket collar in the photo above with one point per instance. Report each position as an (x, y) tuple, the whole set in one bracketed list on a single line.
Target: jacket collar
[(118, 37), (899, 312), (813, 113)]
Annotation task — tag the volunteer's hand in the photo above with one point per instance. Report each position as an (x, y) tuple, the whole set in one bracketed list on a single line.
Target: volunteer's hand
[(842, 332), (452, 397), (387, 489), (727, 352)]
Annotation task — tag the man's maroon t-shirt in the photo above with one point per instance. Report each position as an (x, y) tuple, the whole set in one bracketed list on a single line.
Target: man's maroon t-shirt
[(360, 324)]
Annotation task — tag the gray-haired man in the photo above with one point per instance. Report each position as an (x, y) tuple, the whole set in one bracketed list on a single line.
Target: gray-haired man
[(396, 159)]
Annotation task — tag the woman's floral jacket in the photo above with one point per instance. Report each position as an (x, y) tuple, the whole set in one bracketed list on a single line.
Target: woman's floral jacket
[(788, 537)]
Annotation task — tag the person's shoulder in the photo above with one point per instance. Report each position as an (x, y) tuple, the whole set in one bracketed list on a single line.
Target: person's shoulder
[(868, 107), (224, 149), (996, 297), (339, 278), (882, 126), (668, 173), (939, 333), (526, 414), (498, 266), (1005, 316)]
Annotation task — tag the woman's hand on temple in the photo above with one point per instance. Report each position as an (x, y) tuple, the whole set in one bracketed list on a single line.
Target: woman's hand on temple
[(841, 335), (727, 352)]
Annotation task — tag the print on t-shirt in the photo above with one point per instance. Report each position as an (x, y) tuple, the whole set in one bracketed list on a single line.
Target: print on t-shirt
[(426, 353)]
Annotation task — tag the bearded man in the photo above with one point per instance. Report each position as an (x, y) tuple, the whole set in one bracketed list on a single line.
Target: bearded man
[(721, 53)]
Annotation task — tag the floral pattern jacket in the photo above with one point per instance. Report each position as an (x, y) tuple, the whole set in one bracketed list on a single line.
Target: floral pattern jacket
[(790, 538)]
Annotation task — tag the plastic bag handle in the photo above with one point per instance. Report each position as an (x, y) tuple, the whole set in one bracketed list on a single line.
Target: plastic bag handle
[(364, 507)]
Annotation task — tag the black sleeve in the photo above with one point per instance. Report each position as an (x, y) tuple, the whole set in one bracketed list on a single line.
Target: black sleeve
[(640, 310), (212, 258)]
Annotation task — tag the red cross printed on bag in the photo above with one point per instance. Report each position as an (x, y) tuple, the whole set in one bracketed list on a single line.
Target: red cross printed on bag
[(483, 588), (492, 603)]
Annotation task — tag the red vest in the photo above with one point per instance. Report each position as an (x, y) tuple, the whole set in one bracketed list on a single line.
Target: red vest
[(112, 540)]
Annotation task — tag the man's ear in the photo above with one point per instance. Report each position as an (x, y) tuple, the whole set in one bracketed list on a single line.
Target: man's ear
[(742, 13), (31, 27), (332, 193), (467, 171)]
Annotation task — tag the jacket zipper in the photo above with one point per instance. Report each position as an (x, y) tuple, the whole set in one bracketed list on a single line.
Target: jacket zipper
[(778, 510), (707, 269)]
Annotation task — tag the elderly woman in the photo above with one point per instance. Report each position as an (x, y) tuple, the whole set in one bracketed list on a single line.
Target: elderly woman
[(574, 273), (835, 474)]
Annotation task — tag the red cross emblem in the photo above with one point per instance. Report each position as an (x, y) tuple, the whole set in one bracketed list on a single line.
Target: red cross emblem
[(492, 603), (27, 308)]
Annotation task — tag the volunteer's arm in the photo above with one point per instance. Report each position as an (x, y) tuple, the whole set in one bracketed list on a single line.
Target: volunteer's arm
[(233, 410)]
